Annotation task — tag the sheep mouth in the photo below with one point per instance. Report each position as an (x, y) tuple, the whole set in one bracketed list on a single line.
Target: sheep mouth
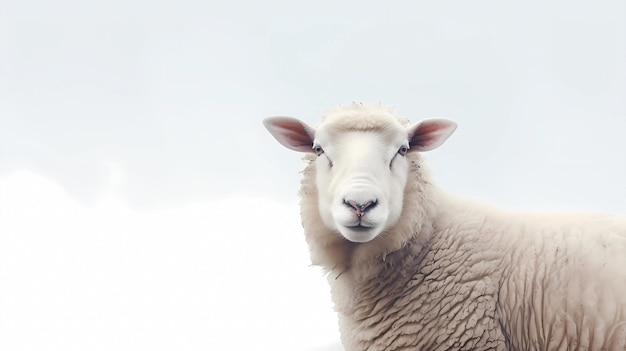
[(360, 223), (359, 230), (358, 233)]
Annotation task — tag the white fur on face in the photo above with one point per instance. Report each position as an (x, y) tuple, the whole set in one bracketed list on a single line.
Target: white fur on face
[(361, 169)]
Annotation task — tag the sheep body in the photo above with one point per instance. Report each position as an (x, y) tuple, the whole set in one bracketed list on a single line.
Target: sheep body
[(452, 274)]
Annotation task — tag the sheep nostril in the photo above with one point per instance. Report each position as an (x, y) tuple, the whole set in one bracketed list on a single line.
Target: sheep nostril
[(360, 209)]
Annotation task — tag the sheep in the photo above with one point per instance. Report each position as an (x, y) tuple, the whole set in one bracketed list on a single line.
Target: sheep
[(412, 267)]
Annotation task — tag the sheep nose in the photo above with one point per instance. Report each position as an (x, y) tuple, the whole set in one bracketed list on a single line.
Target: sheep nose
[(360, 209)]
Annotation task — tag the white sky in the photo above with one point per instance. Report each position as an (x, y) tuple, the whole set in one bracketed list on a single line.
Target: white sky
[(143, 206)]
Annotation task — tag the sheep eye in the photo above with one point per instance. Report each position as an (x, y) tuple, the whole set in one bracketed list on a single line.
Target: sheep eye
[(318, 150), (403, 150)]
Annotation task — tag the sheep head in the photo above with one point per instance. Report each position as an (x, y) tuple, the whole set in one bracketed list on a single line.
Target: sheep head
[(360, 163)]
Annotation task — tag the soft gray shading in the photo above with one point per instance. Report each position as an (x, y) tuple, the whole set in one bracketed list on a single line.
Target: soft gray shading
[(170, 92)]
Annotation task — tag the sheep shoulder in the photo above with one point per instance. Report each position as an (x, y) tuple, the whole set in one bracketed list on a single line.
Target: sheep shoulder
[(564, 284), (490, 279)]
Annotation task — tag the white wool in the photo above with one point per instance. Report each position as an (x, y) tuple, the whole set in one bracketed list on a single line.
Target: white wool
[(450, 273)]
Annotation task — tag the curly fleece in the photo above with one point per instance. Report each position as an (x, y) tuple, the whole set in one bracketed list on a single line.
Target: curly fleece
[(453, 274)]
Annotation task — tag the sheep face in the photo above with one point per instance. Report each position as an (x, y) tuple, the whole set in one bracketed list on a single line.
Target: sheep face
[(361, 168), (360, 177)]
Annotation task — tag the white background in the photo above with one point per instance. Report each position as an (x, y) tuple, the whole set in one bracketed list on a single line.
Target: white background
[(144, 207)]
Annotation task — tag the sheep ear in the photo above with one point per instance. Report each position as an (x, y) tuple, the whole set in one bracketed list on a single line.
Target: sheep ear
[(429, 134), (291, 133)]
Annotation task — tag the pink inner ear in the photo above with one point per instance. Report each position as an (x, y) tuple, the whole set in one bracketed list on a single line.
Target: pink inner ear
[(430, 134), (295, 133), (426, 135), (291, 133)]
